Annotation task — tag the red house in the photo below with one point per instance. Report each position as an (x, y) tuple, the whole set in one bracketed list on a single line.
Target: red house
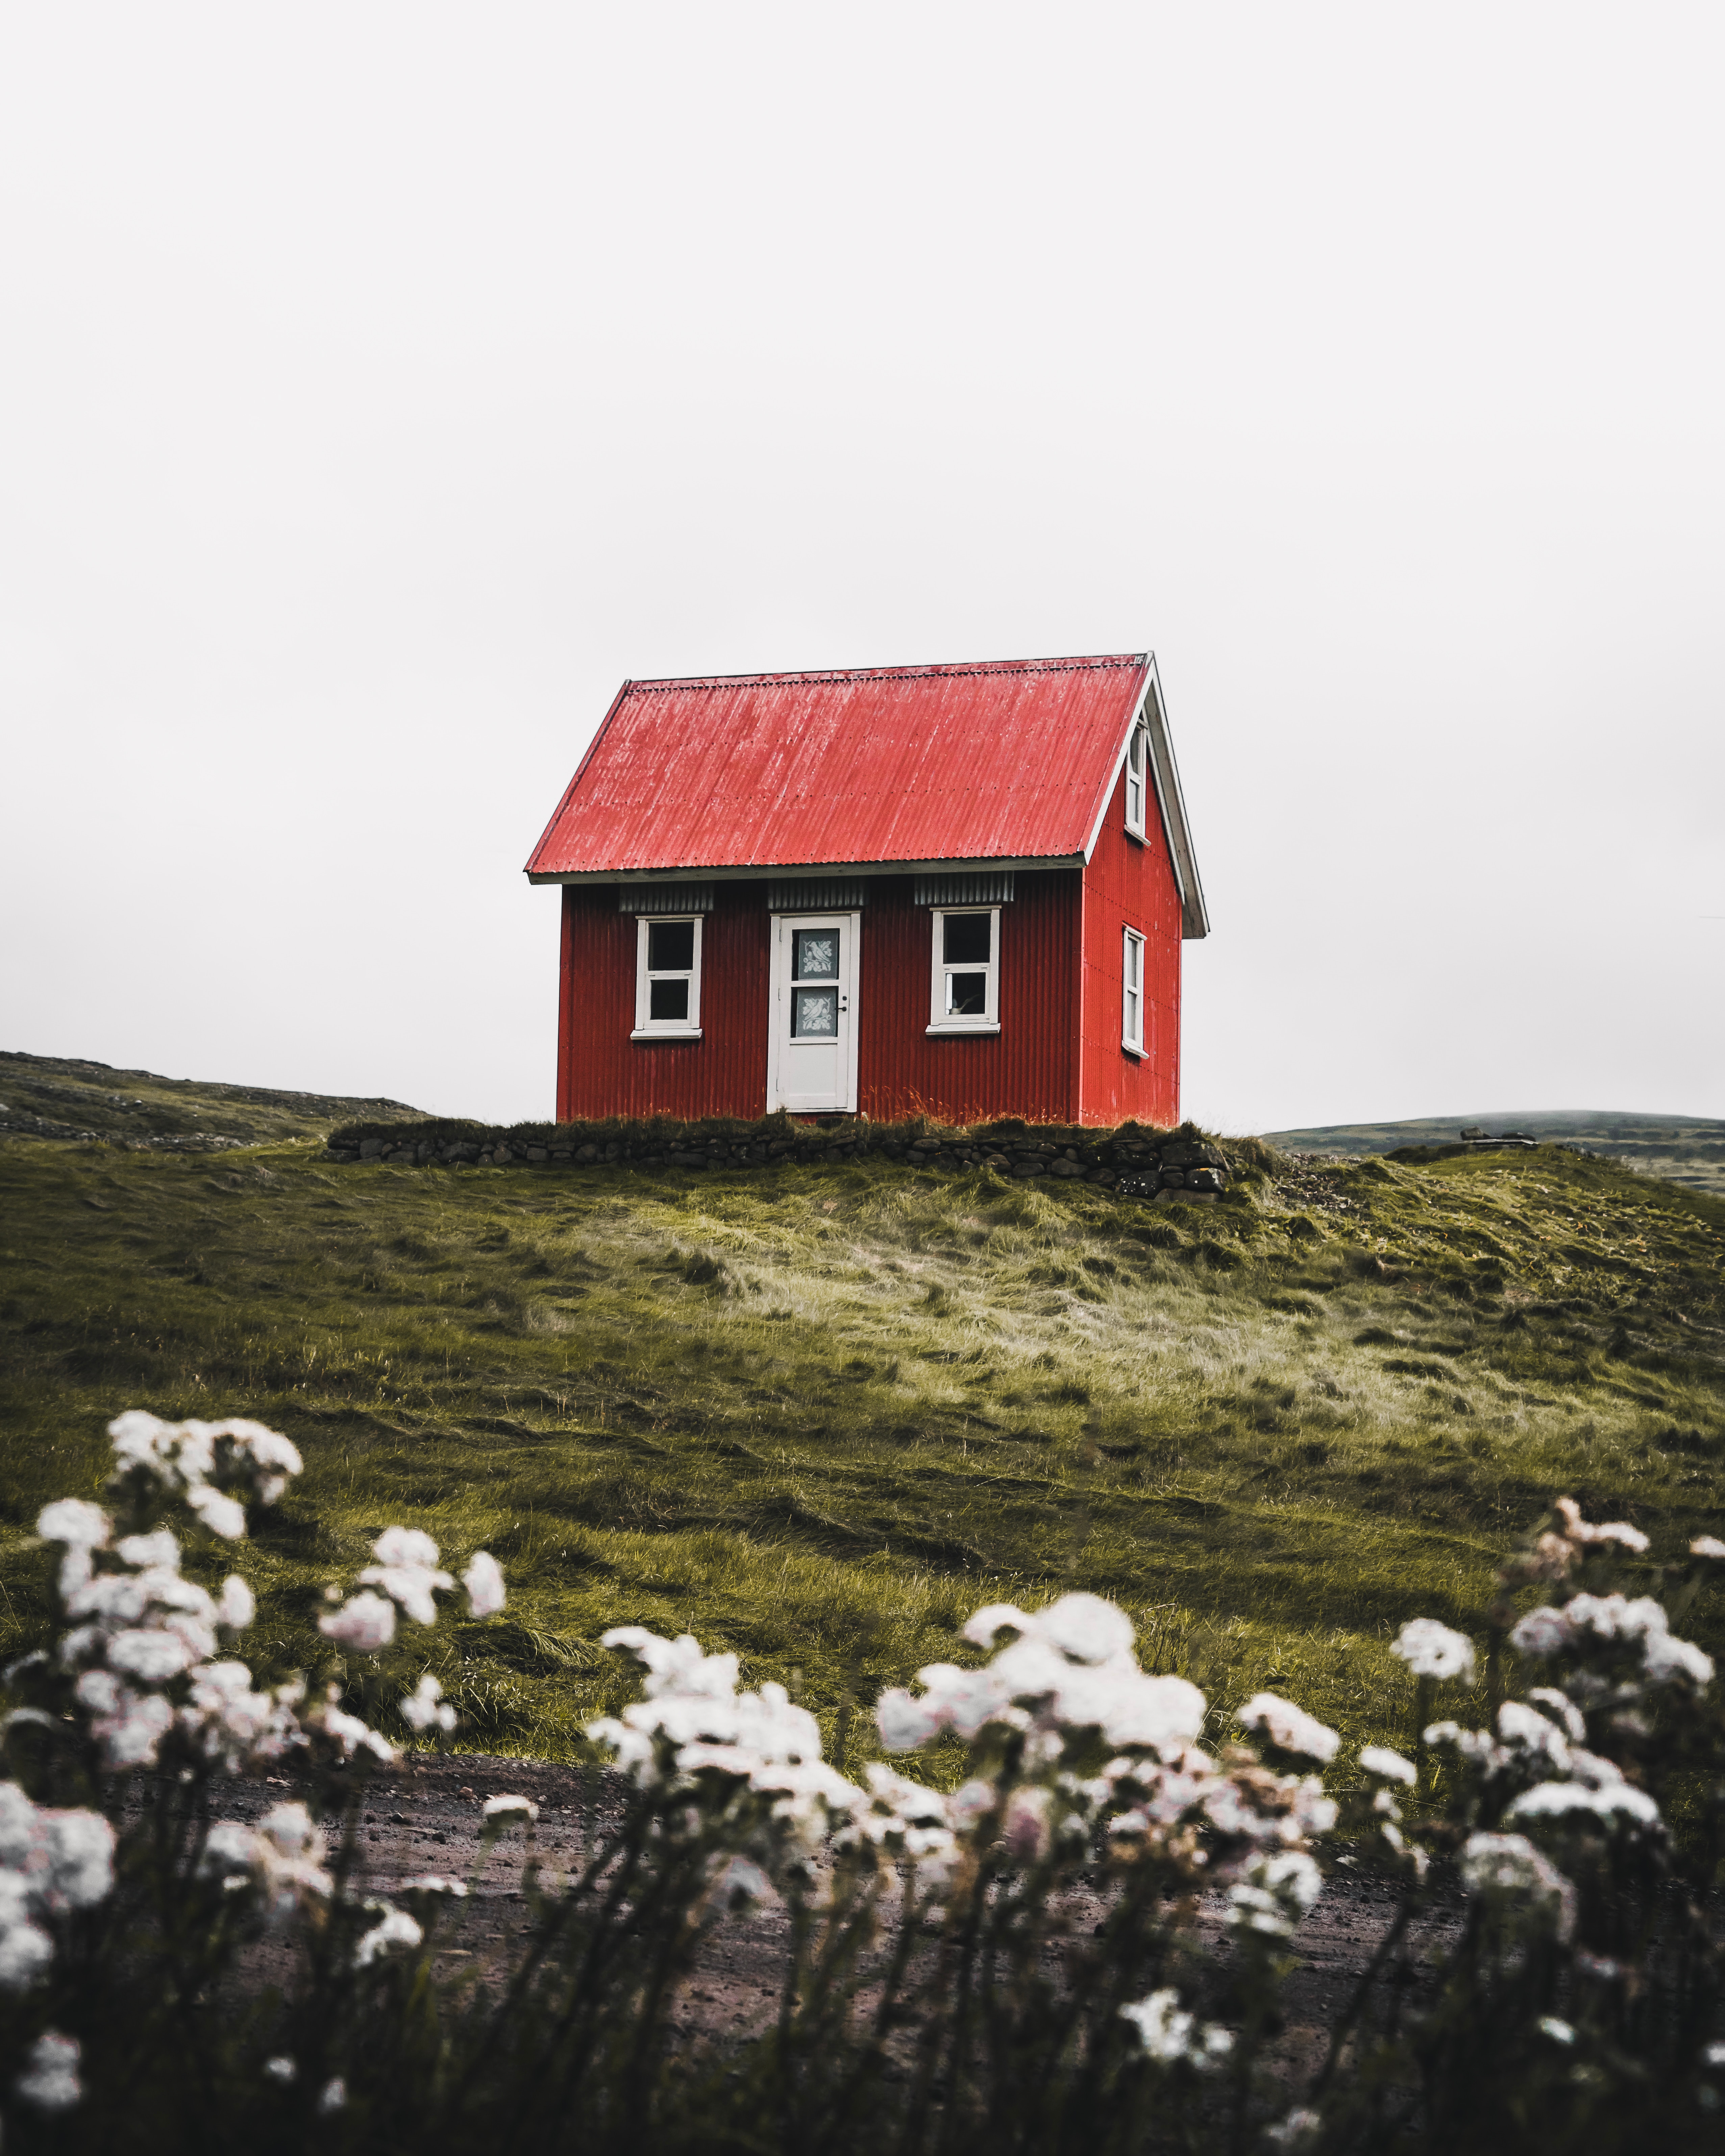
[(951, 891)]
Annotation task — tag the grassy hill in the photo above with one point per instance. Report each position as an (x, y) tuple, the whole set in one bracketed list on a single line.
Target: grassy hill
[(54, 1097), (819, 1415), (1686, 1149)]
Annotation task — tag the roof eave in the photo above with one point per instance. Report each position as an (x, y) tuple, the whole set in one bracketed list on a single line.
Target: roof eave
[(755, 871)]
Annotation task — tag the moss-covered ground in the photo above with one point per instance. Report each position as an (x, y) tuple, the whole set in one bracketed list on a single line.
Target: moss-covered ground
[(818, 1416)]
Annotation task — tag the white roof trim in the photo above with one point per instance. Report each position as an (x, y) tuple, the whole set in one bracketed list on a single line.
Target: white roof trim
[(1165, 774)]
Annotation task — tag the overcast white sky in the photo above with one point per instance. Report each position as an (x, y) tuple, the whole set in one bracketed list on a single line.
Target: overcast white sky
[(380, 385)]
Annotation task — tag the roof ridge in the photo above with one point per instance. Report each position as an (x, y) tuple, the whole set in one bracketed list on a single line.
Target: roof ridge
[(932, 671)]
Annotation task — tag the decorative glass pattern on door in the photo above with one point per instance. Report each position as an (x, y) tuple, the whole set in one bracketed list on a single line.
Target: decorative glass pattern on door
[(814, 1010)]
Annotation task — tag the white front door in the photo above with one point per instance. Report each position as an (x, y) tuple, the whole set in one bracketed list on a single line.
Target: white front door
[(811, 1062)]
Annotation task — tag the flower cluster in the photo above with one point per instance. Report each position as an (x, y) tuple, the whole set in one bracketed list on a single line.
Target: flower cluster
[(135, 1625), (51, 1862), (284, 1857), (1612, 1628), (1068, 1683), (1172, 2036), (1433, 1651), (408, 1572), (754, 1757), (216, 1469)]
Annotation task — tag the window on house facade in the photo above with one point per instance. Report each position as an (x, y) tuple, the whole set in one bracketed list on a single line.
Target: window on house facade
[(667, 979), (1137, 779), (1132, 993), (965, 990)]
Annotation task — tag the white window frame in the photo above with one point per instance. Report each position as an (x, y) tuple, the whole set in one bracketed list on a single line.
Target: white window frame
[(647, 1027), (1132, 992), (940, 1020), (1137, 780)]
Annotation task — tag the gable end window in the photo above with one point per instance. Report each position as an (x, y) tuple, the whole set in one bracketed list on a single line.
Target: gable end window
[(1132, 993), (965, 990), (1137, 779), (667, 979)]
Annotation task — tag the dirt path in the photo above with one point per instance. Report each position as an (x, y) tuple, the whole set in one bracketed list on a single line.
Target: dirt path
[(426, 1814)]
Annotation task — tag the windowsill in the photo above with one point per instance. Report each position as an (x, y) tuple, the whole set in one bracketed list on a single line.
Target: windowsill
[(666, 1033), (1133, 1048), (1138, 835), (957, 1032)]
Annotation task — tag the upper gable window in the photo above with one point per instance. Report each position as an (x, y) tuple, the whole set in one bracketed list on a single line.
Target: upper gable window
[(1137, 778), (667, 979), (965, 989)]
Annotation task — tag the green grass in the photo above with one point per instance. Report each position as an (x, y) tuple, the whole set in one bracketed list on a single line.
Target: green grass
[(1686, 1149), (819, 1415)]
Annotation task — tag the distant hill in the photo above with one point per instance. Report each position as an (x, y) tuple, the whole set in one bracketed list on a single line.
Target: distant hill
[(57, 1096), (1686, 1149)]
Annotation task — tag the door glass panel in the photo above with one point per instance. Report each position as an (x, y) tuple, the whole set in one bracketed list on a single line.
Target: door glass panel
[(968, 995), (966, 940), (814, 1013), (670, 948), (815, 955)]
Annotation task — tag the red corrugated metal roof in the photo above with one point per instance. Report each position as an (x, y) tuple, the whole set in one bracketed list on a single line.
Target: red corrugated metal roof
[(1008, 760)]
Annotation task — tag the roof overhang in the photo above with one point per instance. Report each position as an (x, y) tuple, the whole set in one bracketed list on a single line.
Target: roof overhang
[(755, 871), (1152, 714)]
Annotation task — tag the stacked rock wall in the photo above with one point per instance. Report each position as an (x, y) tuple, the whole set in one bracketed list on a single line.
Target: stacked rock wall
[(1136, 1162)]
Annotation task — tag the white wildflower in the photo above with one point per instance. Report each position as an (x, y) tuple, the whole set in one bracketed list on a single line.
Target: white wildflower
[(365, 1623), (434, 1882), (1614, 1801), (76, 1523), (282, 2069), (1432, 1649), (1543, 1633), (1294, 2130), (396, 1929), (230, 1851), (905, 1721), (407, 1571), (1509, 1865), (1665, 1658), (1562, 1709), (1172, 2036), (484, 1581), (1703, 1546), (738, 1884), (985, 1625), (128, 1726), (78, 1850), (1390, 1766), (221, 1514), (25, 1953), (1086, 1628), (49, 2080), (159, 1552), (332, 2096), (1619, 1533), (510, 1808), (425, 1707), (237, 1605), (1559, 2031), (149, 1657), (346, 1730), (1289, 1727), (1274, 1894)]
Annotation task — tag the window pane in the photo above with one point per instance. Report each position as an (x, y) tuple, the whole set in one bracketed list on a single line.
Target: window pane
[(968, 995), (816, 954), (967, 939), (668, 999), (814, 1013), (670, 947)]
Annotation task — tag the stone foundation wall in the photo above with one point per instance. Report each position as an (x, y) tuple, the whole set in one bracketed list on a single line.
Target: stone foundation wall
[(1132, 1163)]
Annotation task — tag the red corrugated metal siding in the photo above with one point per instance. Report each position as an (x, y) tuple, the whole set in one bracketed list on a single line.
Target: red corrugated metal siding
[(1128, 885), (996, 762), (601, 1072), (1029, 1067)]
